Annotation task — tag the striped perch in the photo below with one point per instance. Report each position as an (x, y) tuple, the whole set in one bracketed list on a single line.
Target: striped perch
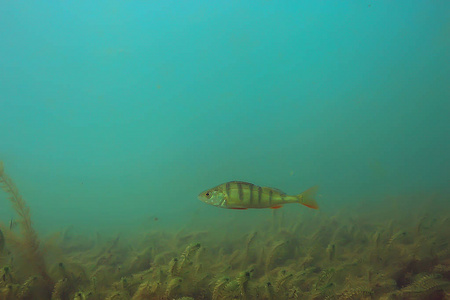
[(243, 195)]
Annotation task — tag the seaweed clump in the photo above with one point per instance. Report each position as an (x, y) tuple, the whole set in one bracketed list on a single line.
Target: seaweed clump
[(28, 244)]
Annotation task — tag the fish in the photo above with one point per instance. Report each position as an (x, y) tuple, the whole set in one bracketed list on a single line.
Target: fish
[(244, 195)]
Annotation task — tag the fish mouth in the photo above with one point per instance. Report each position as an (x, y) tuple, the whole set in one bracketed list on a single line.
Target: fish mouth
[(202, 198)]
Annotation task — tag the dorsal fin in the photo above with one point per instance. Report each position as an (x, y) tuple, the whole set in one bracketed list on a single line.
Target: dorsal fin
[(241, 182)]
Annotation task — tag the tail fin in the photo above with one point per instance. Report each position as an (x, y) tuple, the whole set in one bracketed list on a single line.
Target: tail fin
[(307, 197)]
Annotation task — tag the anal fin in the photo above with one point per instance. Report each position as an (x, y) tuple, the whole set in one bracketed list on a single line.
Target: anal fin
[(277, 206)]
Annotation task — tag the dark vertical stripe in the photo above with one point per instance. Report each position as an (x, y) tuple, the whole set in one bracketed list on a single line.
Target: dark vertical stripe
[(270, 197), (251, 193), (227, 189), (241, 194), (259, 195)]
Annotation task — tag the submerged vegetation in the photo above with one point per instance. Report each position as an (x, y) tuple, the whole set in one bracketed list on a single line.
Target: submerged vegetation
[(365, 253)]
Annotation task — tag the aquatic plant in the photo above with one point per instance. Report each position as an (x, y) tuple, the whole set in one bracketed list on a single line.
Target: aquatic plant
[(29, 245), (2, 242), (355, 254), (219, 288), (424, 285)]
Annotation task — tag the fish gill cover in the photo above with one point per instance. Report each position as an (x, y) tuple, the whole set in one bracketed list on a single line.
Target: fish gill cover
[(114, 116)]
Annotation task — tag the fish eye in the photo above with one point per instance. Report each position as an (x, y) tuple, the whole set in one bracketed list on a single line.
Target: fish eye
[(207, 194)]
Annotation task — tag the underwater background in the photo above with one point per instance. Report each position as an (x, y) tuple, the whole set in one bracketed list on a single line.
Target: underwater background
[(115, 115)]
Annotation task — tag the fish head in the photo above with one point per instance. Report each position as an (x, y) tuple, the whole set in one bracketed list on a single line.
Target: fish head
[(214, 196)]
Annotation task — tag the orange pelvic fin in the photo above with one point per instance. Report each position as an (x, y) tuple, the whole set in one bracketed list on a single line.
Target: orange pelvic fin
[(276, 207)]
